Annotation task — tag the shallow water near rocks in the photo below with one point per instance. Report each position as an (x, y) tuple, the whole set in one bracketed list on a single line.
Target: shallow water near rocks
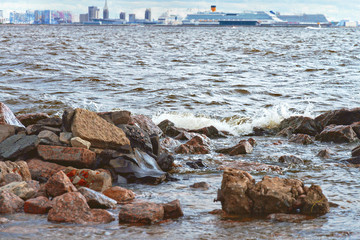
[(234, 79)]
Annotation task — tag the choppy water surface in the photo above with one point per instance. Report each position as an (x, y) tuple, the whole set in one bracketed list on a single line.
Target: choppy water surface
[(233, 78)]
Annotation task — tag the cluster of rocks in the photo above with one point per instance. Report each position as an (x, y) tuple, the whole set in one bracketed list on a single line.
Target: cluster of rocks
[(66, 167)]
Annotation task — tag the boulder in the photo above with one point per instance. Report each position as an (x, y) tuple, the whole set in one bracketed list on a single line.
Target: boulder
[(21, 189), (290, 159), (20, 168), (77, 157), (54, 122), (65, 137), (30, 119), (315, 202), (210, 132), (203, 185), (138, 138), (300, 138), (146, 124), (6, 131), (138, 167), (172, 210), (39, 205), (197, 145), (80, 143), (300, 124), (168, 128), (10, 203), (119, 194), (142, 212), (339, 117), (165, 162), (8, 117), (72, 208), (17, 145), (100, 133), (94, 179), (116, 117), (97, 200), (337, 134), (41, 170), (243, 147), (48, 138), (355, 152), (59, 184)]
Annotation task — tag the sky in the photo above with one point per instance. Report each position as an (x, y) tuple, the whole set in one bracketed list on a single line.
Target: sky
[(333, 9)]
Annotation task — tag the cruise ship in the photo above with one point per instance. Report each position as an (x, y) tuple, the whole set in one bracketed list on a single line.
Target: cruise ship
[(258, 18)]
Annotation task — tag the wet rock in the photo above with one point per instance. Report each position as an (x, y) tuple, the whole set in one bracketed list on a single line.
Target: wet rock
[(243, 147), (155, 142), (259, 131), (337, 134), (300, 124), (138, 167), (233, 197), (252, 142), (4, 220), (100, 133), (116, 117), (186, 136), (169, 129), (65, 137), (339, 117), (138, 138), (80, 143), (8, 117), (172, 210), (119, 194), (93, 179), (355, 152), (6, 131), (20, 189), (165, 162), (301, 139), (356, 128), (203, 185), (30, 119), (41, 170), (72, 208), (67, 119), (353, 160), (143, 212), (19, 168), (315, 202), (210, 132), (10, 203), (250, 166), (39, 205), (325, 153), (48, 138), (197, 145), (97, 200), (55, 122), (59, 184), (146, 124), (78, 157), (290, 159), (17, 145), (283, 217), (196, 164), (37, 128), (169, 143)]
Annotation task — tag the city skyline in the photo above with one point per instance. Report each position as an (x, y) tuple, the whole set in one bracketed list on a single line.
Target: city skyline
[(334, 10)]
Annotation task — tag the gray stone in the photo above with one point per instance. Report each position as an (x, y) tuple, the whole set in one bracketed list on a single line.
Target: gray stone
[(49, 138), (96, 199), (65, 137), (17, 145), (20, 189)]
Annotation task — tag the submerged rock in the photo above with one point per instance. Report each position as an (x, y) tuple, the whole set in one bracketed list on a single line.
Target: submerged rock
[(337, 134), (325, 153), (249, 166), (142, 212), (283, 217), (290, 159)]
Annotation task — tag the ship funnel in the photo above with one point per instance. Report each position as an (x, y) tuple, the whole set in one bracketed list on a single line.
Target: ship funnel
[(213, 8)]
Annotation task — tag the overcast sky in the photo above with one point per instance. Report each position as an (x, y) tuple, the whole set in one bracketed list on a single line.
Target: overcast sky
[(333, 9)]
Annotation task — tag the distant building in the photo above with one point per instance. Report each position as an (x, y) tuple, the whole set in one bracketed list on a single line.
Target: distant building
[(2, 20), (93, 13), (122, 16), (148, 14), (46, 17), (106, 11), (22, 18), (84, 17), (132, 18)]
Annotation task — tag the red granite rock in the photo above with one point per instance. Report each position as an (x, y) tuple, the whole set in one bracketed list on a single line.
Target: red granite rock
[(10, 203), (197, 145), (39, 205), (8, 117), (59, 184), (119, 194), (67, 155), (41, 170), (146, 124), (172, 210), (72, 208), (141, 212), (243, 147), (301, 139), (33, 118), (19, 168)]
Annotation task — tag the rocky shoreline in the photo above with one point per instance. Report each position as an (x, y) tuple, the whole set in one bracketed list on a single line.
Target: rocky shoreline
[(68, 167)]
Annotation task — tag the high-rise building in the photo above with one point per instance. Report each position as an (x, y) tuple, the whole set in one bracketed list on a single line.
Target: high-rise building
[(2, 20), (46, 17), (93, 13), (84, 17), (1, 14), (122, 16), (106, 11), (132, 18), (148, 14)]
